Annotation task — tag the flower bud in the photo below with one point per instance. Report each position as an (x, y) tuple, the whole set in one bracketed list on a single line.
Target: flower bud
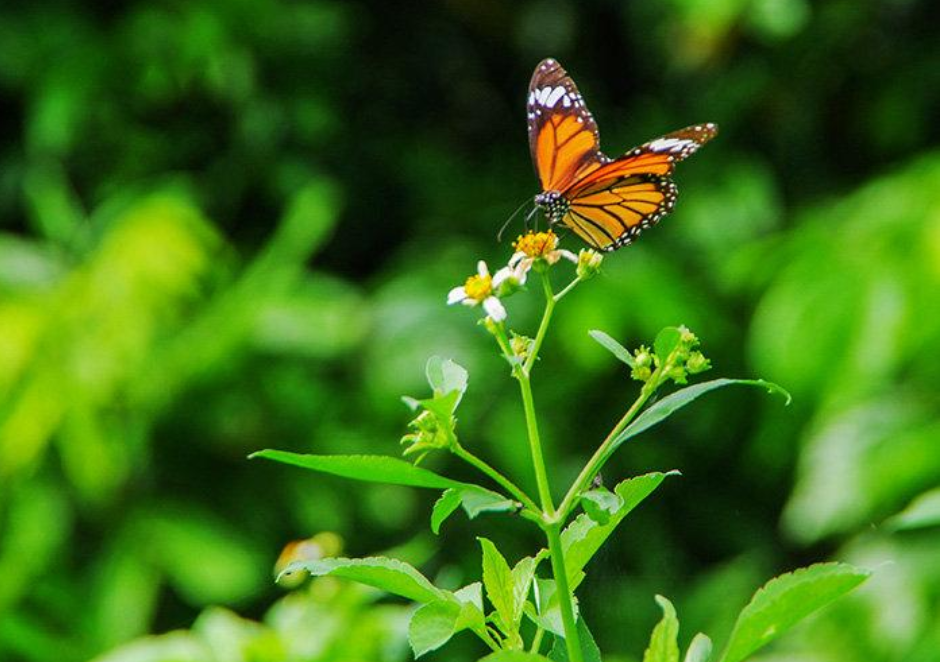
[(589, 262), (697, 363)]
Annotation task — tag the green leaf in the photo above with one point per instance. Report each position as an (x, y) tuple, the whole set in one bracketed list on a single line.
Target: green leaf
[(442, 406), (447, 503), (600, 504), (522, 574), (663, 646), (474, 499), (923, 511), (666, 341), (785, 600), (700, 648), (390, 575), (498, 582), (432, 625), (446, 376), (472, 607), (621, 353), (679, 399), (590, 650), (513, 656), (369, 468), (584, 536)]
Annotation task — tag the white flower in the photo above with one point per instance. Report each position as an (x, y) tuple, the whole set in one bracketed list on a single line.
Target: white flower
[(479, 289)]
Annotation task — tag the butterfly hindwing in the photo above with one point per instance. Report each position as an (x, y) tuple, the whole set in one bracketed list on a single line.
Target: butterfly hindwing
[(614, 203), (563, 136)]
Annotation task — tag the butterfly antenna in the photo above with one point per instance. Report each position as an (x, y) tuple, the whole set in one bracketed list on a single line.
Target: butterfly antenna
[(529, 217), (512, 216)]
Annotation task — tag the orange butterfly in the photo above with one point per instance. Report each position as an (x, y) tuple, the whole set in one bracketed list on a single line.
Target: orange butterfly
[(607, 202)]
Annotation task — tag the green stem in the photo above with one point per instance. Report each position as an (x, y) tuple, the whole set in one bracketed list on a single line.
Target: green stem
[(535, 445), (537, 640), (544, 324), (606, 448), (557, 556), (565, 290), (499, 478)]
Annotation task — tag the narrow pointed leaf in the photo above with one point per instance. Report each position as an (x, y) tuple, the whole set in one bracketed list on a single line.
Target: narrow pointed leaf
[(584, 536), (474, 499), (498, 582), (447, 503), (621, 353), (787, 599), (663, 647), (390, 575), (369, 468), (677, 400)]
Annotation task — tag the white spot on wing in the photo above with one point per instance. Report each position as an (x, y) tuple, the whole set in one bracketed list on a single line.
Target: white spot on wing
[(554, 96), (672, 145)]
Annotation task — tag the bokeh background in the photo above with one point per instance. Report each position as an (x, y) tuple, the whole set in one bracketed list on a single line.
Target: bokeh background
[(226, 226)]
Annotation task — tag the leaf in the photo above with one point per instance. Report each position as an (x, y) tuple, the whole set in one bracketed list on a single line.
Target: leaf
[(700, 648), (923, 511), (600, 504), (474, 499), (513, 656), (787, 599), (666, 341), (663, 646), (446, 376), (432, 625), (369, 468), (498, 582), (390, 575), (442, 406), (447, 503), (621, 353), (679, 399), (590, 650), (522, 575), (584, 536)]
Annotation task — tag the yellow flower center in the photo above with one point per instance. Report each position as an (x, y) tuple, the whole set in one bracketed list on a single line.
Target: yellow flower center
[(478, 287), (536, 244)]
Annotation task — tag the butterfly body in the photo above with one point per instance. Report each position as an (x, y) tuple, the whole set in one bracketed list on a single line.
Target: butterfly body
[(607, 202)]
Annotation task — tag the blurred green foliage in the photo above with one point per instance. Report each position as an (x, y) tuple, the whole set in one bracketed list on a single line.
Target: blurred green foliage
[(231, 225)]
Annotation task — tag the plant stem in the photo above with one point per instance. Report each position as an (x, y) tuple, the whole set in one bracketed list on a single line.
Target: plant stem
[(535, 445), (537, 640), (557, 556), (543, 325), (606, 448), (499, 478)]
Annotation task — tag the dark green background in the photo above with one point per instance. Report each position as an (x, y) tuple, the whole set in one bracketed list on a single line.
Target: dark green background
[(232, 225)]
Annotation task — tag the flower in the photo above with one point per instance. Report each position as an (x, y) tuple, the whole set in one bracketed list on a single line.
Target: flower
[(589, 262), (534, 246), (479, 289)]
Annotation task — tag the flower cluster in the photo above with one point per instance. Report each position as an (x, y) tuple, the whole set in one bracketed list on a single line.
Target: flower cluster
[(533, 250)]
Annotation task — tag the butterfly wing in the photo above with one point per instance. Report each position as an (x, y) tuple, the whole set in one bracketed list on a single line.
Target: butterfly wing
[(616, 201), (563, 136)]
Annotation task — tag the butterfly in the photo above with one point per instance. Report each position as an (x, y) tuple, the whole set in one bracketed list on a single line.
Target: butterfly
[(607, 202)]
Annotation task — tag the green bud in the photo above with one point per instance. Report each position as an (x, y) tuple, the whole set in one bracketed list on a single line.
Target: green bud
[(589, 262), (688, 338), (697, 363), (641, 373), (521, 346), (643, 357), (677, 374)]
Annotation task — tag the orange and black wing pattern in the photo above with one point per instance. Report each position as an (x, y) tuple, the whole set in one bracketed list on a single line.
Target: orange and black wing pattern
[(613, 204), (606, 202), (563, 136)]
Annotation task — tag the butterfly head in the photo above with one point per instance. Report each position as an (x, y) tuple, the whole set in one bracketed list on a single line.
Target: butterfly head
[(553, 204)]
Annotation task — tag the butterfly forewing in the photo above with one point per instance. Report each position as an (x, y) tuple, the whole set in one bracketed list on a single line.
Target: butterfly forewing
[(563, 136)]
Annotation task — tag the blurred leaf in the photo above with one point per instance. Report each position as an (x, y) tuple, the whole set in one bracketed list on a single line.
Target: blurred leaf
[(620, 352), (666, 341), (445, 376), (663, 647), (923, 511), (513, 656), (664, 408), (785, 600), (700, 648), (389, 575)]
